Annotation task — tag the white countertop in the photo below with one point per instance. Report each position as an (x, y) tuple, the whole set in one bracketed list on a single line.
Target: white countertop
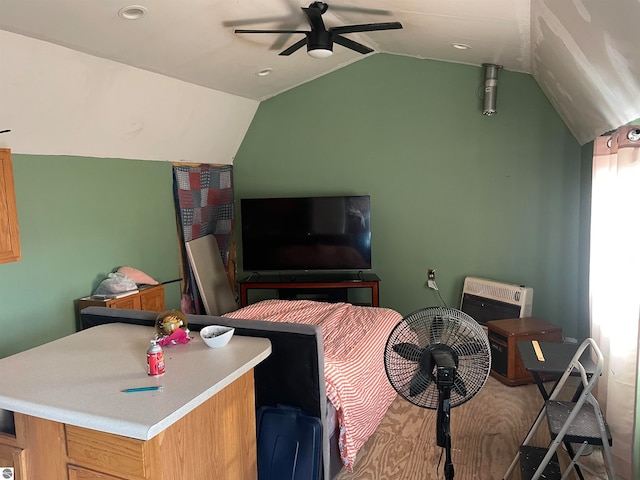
[(78, 379)]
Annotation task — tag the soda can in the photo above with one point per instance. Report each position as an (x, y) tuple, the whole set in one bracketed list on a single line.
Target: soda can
[(155, 359)]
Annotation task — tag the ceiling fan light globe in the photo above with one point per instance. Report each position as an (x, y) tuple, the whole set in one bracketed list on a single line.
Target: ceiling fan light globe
[(320, 52)]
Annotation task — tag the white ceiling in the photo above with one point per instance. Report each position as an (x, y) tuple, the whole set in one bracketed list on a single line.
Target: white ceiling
[(583, 53)]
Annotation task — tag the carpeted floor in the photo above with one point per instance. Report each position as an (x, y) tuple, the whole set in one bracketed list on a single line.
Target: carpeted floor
[(485, 435)]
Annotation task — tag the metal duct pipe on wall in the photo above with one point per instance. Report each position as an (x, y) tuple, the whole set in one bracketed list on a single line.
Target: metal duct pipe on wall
[(490, 88)]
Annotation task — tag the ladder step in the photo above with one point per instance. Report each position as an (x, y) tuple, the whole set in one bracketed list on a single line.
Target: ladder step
[(530, 458), (584, 427)]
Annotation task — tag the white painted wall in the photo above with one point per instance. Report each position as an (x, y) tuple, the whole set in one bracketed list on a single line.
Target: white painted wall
[(57, 101)]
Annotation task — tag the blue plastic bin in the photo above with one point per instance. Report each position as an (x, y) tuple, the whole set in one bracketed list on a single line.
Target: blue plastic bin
[(289, 444)]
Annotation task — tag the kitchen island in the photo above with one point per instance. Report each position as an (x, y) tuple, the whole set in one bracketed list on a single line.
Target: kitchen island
[(73, 421)]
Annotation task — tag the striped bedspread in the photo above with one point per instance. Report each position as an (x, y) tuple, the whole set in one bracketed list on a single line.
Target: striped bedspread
[(354, 338)]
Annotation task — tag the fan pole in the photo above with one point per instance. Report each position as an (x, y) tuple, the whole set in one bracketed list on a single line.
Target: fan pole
[(443, 428)]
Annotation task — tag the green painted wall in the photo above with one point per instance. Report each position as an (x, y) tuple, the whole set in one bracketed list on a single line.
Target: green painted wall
[(497, 197), (79, 219)]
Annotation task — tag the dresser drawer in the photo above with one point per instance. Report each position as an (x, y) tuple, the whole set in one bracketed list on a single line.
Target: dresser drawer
[(109, 453), (80, 473)]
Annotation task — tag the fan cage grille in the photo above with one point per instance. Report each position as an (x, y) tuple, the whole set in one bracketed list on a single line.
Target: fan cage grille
[(444, 326)]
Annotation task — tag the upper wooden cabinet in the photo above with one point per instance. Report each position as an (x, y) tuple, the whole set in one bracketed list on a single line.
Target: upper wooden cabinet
[(9, 235)]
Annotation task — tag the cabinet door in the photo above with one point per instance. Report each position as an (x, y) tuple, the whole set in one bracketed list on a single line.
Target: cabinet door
[(130, 302), (13, 457), (152, 299), (9, 236)]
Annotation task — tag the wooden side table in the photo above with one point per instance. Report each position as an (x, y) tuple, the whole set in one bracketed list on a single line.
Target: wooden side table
[(506, 362)]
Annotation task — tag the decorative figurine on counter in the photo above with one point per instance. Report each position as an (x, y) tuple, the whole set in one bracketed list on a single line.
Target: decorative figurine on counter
[(171, 328)]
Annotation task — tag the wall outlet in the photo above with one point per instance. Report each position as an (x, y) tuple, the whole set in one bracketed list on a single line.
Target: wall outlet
[(431, 279)]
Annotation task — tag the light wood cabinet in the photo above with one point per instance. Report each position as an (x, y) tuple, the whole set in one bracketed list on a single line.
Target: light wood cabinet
[(9, 235), (148, 298), (72, 419), (152, 299), (11, 455), (215, 440)]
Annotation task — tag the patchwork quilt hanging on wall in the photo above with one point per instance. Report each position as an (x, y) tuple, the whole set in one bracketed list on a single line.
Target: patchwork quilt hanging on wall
[(204, 204)]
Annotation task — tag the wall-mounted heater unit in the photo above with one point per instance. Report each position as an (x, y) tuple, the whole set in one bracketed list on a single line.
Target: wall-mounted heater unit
[(486, 300)]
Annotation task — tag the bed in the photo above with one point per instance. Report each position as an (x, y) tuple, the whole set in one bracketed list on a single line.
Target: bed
[(356, 385), (327, 360)]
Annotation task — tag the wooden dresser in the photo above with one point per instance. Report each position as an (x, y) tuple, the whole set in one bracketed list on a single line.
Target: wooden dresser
[(149, 297)]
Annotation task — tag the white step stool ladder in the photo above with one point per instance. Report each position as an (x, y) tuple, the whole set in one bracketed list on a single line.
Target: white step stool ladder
[(580, 422)]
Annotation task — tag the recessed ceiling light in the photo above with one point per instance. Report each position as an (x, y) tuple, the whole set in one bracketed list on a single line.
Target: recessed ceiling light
[(132, 12), (264, 72), (461, 46)]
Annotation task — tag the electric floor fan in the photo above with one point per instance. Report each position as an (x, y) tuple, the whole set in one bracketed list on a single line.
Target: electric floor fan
[(438, 358)]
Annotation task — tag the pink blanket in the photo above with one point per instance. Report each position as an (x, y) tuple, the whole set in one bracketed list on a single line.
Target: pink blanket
[(354, 339)]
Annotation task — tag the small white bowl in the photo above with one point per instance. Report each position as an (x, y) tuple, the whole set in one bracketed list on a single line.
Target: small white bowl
[(216, 336)]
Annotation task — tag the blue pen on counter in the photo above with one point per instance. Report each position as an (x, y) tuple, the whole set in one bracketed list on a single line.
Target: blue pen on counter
[(141, 389)]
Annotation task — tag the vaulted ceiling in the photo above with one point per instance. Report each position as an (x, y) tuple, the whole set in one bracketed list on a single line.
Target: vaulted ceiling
[(583, 53)]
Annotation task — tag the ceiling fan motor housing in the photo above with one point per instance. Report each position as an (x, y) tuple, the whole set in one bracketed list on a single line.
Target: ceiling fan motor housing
[(319, 40)]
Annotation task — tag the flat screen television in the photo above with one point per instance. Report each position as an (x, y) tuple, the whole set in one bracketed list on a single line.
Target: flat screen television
[(306, 233)]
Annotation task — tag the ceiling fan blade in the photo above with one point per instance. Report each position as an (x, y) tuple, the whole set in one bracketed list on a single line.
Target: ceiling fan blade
[(281, 41), (281, 22), (293, 11), (367, 11), (242, 30), (350, 44), (408, 351), (314, 16), (296, 46), (366, 27), (250, 21), (419, 383)]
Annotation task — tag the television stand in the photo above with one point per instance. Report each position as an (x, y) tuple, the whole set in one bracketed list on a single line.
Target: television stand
[(331, 287)]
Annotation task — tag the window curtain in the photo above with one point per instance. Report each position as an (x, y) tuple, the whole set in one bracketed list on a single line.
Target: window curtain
[(614, 283), (203, 196)]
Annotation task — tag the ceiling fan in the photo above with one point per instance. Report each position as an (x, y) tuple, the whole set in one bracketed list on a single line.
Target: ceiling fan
[(319, 40)]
